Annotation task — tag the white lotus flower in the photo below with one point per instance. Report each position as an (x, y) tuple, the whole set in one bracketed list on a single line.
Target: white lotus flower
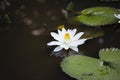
[(117, 16), (66, 39)]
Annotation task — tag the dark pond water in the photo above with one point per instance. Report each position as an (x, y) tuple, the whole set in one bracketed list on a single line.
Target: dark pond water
[(25, 55)]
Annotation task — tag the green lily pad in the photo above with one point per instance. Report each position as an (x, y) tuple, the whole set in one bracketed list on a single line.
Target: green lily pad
[(80, 67), (111, 57), (96, 16), (110, 54), (88, 68)]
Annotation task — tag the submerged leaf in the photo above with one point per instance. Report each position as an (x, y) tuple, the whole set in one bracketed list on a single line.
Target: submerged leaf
[(96, 16), (92, 34), (88, 68), (69, 6)]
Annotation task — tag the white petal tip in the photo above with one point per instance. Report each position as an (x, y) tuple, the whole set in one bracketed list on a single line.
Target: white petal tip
[(49, 44), (75, 49), (118, 21), (57, 49)]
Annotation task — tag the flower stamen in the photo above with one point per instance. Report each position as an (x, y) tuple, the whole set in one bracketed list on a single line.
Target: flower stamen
[(67, 36)]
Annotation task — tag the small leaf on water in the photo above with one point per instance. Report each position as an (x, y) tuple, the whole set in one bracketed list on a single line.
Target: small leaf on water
[(60, 26)]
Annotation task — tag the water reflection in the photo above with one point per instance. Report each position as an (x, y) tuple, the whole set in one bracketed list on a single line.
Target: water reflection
[(38, 32)]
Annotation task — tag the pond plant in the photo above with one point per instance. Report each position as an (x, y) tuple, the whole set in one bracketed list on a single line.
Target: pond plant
[(82, 67), (79, 66), (95, 16)]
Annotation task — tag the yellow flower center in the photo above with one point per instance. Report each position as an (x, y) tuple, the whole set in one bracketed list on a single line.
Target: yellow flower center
[(67, 36)]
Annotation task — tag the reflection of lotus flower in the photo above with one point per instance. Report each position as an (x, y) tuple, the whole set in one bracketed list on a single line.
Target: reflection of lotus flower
[(66, 39), (117, 16)]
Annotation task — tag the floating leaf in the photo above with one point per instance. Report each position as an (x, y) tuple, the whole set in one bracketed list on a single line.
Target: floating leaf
[(111, 56), (96, 16), (88, 68), (80, 67)]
